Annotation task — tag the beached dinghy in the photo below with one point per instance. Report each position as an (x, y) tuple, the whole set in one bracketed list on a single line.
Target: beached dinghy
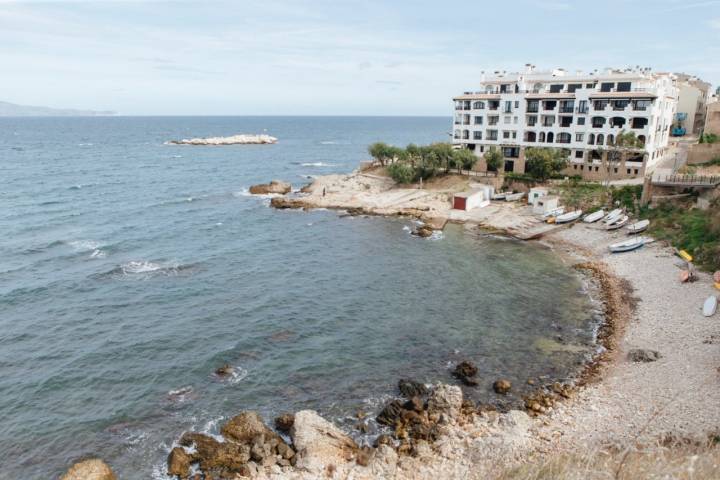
[(554, 212), (614, 215), (499, 196), (618, 223), (594, 217), (568, 217), (628, 245), (511, 197), (710, 306), (638, 227)]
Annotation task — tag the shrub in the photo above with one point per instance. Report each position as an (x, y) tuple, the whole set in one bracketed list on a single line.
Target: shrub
[(543, 163), (402, 172)]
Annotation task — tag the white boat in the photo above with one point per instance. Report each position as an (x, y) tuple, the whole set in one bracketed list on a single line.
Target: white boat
[(554, 212), (618, 223), (710, 306), (511, 197), (594, 217), (615, 214), (638, 227), (499, 196), (568, 217), (628, 245)]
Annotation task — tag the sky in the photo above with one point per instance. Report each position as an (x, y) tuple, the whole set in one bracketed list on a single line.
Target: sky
[(327, 57)]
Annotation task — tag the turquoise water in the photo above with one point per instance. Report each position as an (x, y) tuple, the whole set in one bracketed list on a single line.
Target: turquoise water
[(130, 270)]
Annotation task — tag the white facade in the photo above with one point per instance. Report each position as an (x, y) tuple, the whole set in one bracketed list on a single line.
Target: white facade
[(578, 112), (692, 101)]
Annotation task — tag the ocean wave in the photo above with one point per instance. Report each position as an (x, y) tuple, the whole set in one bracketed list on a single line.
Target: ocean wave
[(318, 164), (95, 248), (146, 269), (85, 144), (81, 186), (246, 193)]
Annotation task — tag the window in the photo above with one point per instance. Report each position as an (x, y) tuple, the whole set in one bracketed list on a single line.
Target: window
[(466, 135), (517, 104), (564, 138), (514, 134), (598, 122), (531, 120), (548, 121), (515, 120), (641, 104), (589, 85), (574, 86), (479, 105), (581, 120), (579, 154), (582, 106), (620, 104), (492, 135), (507, 120), (508, 107), (565, 121), (493, 120), (606, 87), (623, 86), (556, 88), (478, 120), (506, 134), (532, 106), (477, 135), (600, 104), (579, 137)]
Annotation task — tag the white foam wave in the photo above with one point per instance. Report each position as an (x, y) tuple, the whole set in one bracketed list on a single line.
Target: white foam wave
[(318, 164), (329, 142), (238, 375), (85, 144), (139, 267), (407, 229), (246, 193), (95, 248)]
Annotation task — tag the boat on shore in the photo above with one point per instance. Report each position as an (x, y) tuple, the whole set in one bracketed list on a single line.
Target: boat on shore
[(628, 245), (568, 217), (594, 217), (554, 212), (511, 197), (612, 216), (618, 223), (638, 227), (499, 196), (710, 305)]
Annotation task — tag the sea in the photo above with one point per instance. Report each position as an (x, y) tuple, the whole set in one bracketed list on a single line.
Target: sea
[(131, 269)]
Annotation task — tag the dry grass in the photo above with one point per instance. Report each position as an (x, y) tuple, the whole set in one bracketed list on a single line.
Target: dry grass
[(679, 461)]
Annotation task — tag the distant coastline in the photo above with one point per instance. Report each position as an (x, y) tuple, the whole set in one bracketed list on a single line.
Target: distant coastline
[(8, 109)]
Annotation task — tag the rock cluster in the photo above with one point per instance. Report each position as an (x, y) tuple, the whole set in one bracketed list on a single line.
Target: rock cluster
[(275, 186), (544, 399), (231, 140), (247, 445), (643, 355), (423, 231)]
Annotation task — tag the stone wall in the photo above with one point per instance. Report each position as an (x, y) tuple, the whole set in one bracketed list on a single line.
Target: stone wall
[(703, 153)]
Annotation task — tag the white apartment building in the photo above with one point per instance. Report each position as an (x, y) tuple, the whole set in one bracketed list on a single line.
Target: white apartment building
[(581, 113)]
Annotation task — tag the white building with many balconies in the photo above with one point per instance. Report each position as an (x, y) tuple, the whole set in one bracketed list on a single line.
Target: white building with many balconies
[(581, 113)]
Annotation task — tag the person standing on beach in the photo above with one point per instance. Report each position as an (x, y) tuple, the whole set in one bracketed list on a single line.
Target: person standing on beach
[(323, 191)]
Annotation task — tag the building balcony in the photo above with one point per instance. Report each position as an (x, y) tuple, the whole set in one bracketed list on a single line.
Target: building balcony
[(532, 110), (567, 109)]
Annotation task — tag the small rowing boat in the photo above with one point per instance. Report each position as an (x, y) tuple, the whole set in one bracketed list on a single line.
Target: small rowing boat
[(618, 223), (554, 212), (615, 214), (499, 196), (710, 306), (628, 245), (594, 217), (568, 217), (638, 227), (511, 197)]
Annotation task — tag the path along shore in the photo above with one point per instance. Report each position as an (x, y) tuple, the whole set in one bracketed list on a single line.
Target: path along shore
[(626, 403)]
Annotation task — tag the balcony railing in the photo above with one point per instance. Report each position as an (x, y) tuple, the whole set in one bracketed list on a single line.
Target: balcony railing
[(567, 109), (582, 110), (532, 109)]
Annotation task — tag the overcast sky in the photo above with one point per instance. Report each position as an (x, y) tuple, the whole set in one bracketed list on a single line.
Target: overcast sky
[(326, 57)]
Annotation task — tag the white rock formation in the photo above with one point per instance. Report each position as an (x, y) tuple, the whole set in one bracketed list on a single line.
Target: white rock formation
[(319, 443), (232, 140)]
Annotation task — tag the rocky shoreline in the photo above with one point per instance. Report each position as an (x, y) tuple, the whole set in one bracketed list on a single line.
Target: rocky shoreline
[(618, 399), (231, 140)]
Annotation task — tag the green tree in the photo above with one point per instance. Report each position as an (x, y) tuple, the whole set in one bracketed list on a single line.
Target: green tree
[(383, 153), (494, 159), (463, 159), (444, 154), (543, 163), (402, 172)]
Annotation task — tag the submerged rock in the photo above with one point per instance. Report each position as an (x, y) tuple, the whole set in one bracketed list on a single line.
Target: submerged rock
[(94, 469), (275, 186), (423, 231), (284, 422), (502, 386), (225, 370), (466, 371), (643, 355), (410, 388)]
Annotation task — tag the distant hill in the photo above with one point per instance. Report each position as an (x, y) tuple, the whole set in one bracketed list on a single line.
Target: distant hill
[(12, 110)]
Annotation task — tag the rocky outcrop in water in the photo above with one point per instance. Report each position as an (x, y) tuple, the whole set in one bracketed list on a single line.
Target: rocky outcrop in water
[(285, 422), (502, 386), (466, 372), (411, 388), (94, 469), (275, 186), (232, 140)]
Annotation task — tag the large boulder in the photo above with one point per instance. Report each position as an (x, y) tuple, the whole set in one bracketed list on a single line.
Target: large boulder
[(93, 469), (466, 372), (410, 388), (275, 186), (246, 427), (213, 455), (319, 443), (179, 462), (446, 400), (502, 386)]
